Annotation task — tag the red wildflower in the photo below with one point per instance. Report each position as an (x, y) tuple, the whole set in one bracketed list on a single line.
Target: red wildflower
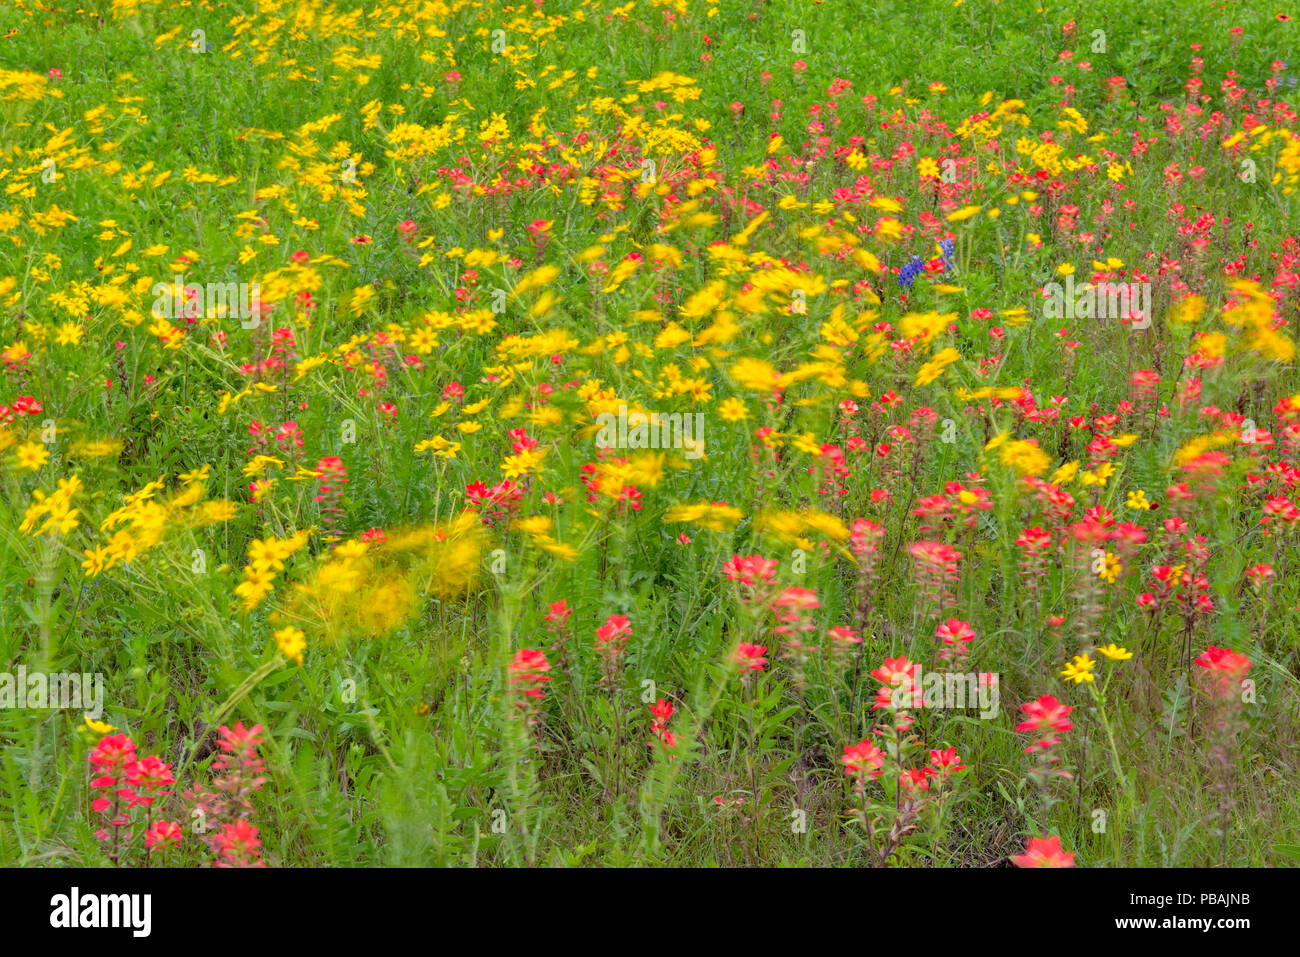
[(749, 657), (528, 672), (956, 636), (750, 569), (916, 779), (946, 762), (1047, 719), (863, 760), (1225, 669), (238, 845), (615, 630), (1044, 852), (148, 777), (662, 711), (162, 834)]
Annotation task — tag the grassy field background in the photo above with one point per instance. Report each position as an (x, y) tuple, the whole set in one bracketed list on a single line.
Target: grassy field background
[(468, 219)]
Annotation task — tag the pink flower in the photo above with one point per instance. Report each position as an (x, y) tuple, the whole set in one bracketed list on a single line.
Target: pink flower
[(797, 598), (866, 536), (842, 636), (1261, 572), (898, 678), (239, 740), (527, 669), (894, 671)]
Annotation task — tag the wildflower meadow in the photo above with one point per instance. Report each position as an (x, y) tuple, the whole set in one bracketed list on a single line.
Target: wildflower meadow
[(663, 433)]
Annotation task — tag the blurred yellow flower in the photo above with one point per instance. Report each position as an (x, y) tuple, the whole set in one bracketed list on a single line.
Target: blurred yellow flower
[(291, 642), (1025, 457), (31, 456)]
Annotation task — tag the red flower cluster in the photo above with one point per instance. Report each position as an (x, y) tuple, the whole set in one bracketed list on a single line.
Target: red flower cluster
[(956, 636), (862, 761), (23, 405), (935, 567), (238, 845), (612, 637), (611, 646), (1225, 670), (1044, 852), (1046, 718), (662, 711), (224, 808), (131, 783), (749, 658), (528, 680), (752, 570), (333, 476), (899, 689)]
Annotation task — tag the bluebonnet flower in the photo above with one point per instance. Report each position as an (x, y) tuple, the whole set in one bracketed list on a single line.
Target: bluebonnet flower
[(946, 246), (907, 275)]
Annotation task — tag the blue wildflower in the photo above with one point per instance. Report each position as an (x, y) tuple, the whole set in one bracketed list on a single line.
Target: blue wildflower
[(907, 275), (947, 246)]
